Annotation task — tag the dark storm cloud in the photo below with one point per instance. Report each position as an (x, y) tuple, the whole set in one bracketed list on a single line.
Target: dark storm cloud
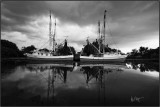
[(135, 20), (15, 13), (127, 19), (80, 12)]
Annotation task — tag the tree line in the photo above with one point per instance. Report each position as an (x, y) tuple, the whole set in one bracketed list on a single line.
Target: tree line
[(9, 49), (144, 53)]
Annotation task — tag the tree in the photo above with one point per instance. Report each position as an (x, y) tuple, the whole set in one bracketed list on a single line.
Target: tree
[(65, 50), (90, 49), (134, 52), (143, 50), (144, 53), (73, 50), (95, 43), (28, 49), (9, 49), (44, 49)]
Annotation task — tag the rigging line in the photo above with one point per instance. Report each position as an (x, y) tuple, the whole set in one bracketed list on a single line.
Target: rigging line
[(111, 34), (84, 75), (61, 76), (70, 48), (82, 50), (38, 42), (44, 44), (61, 43), (95, 48), (43, 77), (93, 76)]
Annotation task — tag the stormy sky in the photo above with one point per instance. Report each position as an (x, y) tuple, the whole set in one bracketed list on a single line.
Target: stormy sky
[(131, 23)]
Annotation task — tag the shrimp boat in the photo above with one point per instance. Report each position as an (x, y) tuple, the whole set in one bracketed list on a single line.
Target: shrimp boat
[(49, 55), (53, 55), (45, 54), (105, 56)]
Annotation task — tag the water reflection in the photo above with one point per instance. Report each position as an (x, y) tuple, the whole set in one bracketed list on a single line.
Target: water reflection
[(59, 74), (60, 71), (143, 65), (93, 72), (75, 84)]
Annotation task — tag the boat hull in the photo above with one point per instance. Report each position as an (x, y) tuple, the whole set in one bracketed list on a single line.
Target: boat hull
[(107, 58), (104, 60), (82, 58)]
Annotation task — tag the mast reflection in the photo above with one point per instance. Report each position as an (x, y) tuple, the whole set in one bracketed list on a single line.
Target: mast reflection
[(57, 74)]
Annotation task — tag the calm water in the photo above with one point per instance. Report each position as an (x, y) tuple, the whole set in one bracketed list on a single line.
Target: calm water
[(129, 84)]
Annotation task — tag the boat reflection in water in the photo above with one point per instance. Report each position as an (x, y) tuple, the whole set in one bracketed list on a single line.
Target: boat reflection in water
[(60, 75), (78, 84)]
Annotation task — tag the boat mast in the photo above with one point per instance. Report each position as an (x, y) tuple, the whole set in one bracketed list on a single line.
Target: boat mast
[(104, 31), (54, 41), (50, 32), (99, 35), (51, 35)]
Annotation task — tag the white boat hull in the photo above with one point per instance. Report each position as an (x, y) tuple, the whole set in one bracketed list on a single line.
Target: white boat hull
[(49, 57), (104, 57), (82, 58)]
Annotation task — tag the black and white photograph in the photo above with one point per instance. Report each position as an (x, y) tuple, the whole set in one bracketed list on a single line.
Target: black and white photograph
[(79, 53)]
